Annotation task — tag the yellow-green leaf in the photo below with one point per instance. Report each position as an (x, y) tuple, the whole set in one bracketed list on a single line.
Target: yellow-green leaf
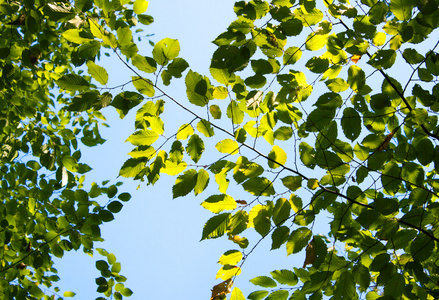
[(227, 146), (143, 85), (73, 35), (97, 72), (231, 257), (219, 203), (277, 157), (140, 6), (143, 137)]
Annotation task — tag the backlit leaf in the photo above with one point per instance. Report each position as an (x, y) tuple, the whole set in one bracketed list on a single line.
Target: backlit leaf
[(277, 157), (218, 203), (264, 281), (216, 226), (165, 50), (285, 277), (195, 147), (97, 72), (231, 257), (259, 186), (185, 183), (140, 6), (227, 146), (298, 239)]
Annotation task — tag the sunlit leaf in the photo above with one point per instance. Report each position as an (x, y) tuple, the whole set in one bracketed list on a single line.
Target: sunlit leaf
[(219, 203)]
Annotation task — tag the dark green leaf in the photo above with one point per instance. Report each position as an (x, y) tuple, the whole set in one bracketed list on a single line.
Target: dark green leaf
[(298, 239), (216, 226), (185, 183)]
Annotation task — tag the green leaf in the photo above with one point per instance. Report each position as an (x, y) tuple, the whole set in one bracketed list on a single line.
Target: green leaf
[(165, 50), (259, 186), (292, 55), (143, 85), (145, 19), (281, 211), (143, 137), (362, 276), (202, 182), (345, 286), (356, 78), (124, 36), (328, 101), (316, 41), (317, 64), (74, 36), (262, 222), (235, 113), (279, 237), (70, 163), (402, 9), (412, 56), (197, 89), (432, 63), (72, 82), (131, 168), (184, 131), (219, 203), (283, 133), (383, 59), (126, 292), (195, 147), (264, 281), (422, 248), (292, 182), (278, 295), (216, 226), (285, 277), (395, 286), (115, 206), (261, 66), (277, 157), (239, 222), (351, 123), (69, 294), (257, 295), (215, 111), (144, 63), (391, 178), (97, 72), (337, 85), (298, 239), (140, 6), (228, 146), (177, 66), (185, 183), (205, 127), (101, 265)]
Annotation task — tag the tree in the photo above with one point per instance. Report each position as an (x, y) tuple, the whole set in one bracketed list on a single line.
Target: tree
[(320, 108)]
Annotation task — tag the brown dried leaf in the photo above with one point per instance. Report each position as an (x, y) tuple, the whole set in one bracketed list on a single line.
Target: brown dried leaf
[(355, 58), (220, 290), (386, 142), (310, 254)]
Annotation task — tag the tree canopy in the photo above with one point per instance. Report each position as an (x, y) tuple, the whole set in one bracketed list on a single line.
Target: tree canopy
[(310, 111)]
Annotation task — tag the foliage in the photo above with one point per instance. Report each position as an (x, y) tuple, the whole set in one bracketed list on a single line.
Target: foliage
[(49, 113), (312, 109)]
